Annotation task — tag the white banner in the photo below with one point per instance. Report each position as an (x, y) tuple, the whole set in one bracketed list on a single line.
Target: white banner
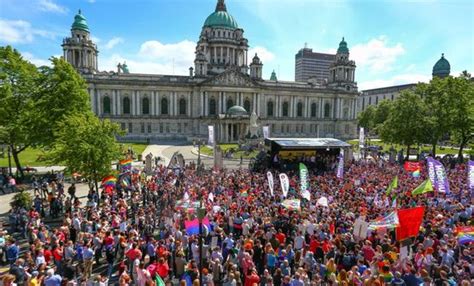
[(270, 181), (210, 128), (361, 137), (322, 201), (285, 184), (266, 132)]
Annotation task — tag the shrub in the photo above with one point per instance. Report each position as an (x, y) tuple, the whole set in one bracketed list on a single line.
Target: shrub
[(22, 200)]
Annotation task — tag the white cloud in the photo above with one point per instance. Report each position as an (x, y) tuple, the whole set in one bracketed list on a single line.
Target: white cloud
[(143, 66), (19, 31), (376, 54), (113, 42), (395, 80), (262, 52), (181, 53), (34, 60), (95, 39), (50, 6)]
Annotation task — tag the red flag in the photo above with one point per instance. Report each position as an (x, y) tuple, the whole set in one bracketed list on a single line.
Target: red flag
[(411, 166), (410, 221)]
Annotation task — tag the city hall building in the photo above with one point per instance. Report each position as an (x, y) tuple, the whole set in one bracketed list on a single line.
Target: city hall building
[(224, 89)]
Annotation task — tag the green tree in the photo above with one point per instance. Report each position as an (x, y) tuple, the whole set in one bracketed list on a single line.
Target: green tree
[(406, 121), (381, 112), (366, 118), (87, 145), (18, 88), (462, 116)]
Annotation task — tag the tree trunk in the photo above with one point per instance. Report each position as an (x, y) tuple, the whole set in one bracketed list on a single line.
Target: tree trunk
[(461, 148), (16, 159), (408, 153), (433, 150)]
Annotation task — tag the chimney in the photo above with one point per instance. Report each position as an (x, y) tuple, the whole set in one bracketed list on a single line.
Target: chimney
[(191, 71)]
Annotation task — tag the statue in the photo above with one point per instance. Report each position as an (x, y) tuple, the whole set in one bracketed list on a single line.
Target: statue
[(253, 127)]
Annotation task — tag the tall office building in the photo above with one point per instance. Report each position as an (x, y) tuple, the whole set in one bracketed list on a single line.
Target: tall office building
[(309, 64)]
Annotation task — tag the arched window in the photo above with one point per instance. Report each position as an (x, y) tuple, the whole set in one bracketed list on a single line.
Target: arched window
[(182, 106), (345, 113), (126, 105), (285, 109), (247, 105), (212, 106), (230, 103), (164, 106), (106, 105), (314, 109), (299, 109), (327, 110), (145, 106), (270, 108)]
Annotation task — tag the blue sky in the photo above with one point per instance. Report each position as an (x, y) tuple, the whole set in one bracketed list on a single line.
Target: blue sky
[(392, 42)]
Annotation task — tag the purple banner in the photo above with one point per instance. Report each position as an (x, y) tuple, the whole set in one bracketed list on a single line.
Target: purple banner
[(340, 166), (470, 175), (442, 184)]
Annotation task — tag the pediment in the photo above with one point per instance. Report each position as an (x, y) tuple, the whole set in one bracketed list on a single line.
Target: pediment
[(231, 78)]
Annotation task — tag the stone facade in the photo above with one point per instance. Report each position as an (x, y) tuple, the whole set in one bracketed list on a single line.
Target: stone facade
[(160, 107)]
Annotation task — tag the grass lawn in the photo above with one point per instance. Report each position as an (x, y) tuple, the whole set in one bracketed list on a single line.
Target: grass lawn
[(29, 157), (386, 147), (208, 151)]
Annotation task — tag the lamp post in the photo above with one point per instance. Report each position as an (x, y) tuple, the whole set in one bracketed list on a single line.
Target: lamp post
[(201, 213)]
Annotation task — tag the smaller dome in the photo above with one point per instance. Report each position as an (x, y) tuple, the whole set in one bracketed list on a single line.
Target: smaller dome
[(236, 110), (80, 22), (273, 76), (442, 68), (256, 59), (343, 47)]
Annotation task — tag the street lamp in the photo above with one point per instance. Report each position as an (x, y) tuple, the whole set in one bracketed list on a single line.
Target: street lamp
[(201, 213), (199, 143)]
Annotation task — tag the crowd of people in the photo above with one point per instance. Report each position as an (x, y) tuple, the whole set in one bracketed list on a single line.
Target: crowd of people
[(135, 234)]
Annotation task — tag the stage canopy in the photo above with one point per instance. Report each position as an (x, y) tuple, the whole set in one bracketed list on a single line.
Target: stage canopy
[(305, 143)]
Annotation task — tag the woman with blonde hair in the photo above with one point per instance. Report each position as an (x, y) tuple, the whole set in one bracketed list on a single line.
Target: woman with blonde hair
[(8, 280), (330, 267)]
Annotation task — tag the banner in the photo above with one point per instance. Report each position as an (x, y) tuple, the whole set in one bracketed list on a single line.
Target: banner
[(410, 221), (210, 129), (340, 165), (292, 205), (266, 132), (411, 166), (431, 170), (322, 201), (192, 226), (304, 182), (285, 184), (270, 182), (361, 137), (470, 175), (389, 221), (442, 184), (360, 229)]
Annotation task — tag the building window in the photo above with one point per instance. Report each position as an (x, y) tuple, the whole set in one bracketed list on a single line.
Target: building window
[(327, 110), (345, 113), (370, 100), (363, 103), (106, 105), (164, 106), (282, 129), (346, 129), (142, 127), (149, 127), (288, 128), (212, 107), (130, 127), (123, 126), (285, 109), (247, 105), (161, 127), (179, 128), (297, 128), (230, 103), (299, 109), (392, 96), (126, 105), (270, 108), (376, 100), (167, 128), (314, 109), (145, 106), (182, 106)]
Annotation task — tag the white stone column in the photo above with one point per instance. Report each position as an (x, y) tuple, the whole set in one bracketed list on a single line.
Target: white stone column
[(152, 102), (321, 107), (224, 103), (202, 103), (188, 104), (119, 102), (206, 104), (158, 103), (139, 103), (306, 107), (93, 95)]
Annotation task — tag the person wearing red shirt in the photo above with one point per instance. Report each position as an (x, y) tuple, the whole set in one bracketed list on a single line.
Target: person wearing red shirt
[(313, 244), (162, 268), (280, 236), (48, 255), (134, 253), (252, 278)]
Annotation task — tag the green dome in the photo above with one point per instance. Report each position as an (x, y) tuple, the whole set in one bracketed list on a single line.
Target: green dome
[(273, 76), (442, 68), (343, 47), (237, 110), (80, 23), (220, 18)]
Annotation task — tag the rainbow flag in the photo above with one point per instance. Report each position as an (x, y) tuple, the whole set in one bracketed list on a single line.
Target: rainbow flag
[(416, 173), (244, 193), (192, 226), (292, 204), (109, 181), (465, 234), (126, 164), (125, 182), (389, 221)]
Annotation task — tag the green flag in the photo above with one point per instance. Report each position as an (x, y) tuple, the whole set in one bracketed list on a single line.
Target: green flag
[(159, 281), (393, 185), (425, 187), (304, 182)]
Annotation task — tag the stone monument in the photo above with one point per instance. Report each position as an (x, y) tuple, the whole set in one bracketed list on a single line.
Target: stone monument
[(253, 126)]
